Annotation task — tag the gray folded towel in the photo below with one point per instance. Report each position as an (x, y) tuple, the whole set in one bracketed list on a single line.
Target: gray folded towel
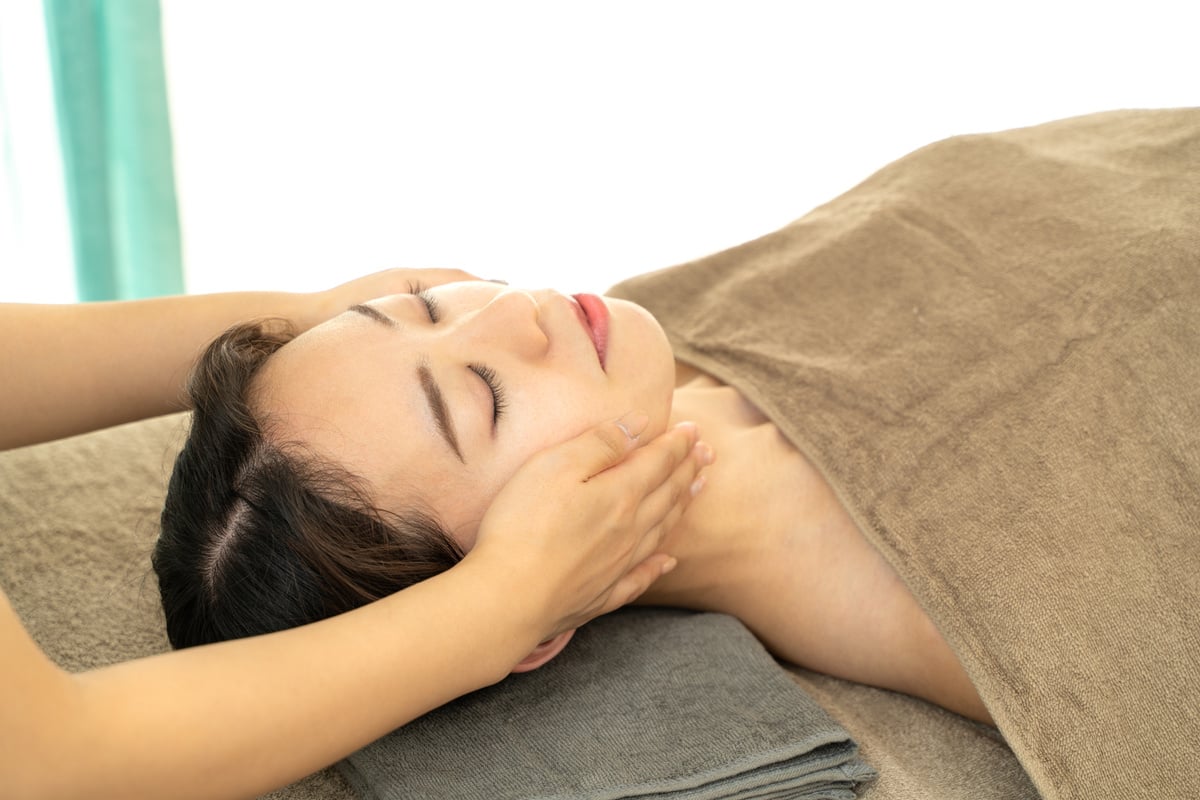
[(647, 703)]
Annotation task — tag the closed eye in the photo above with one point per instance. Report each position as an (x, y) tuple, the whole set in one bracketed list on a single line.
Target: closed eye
[(499, 402), (431, 303), (486, 374)]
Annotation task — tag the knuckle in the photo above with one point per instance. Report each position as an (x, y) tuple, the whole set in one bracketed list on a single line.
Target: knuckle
[(682, 443), (668, 460), (626, 508), (612, 441)]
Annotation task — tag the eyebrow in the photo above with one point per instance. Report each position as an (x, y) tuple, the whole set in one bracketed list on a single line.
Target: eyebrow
[(433, 392), (371, 312)]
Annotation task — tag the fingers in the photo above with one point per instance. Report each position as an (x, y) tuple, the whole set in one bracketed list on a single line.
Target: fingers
[(663, 507), (684, 482), (331, 302), (606, 508), (635, 582), (659, 481), (604, 445), (655, 462), (437, 277)]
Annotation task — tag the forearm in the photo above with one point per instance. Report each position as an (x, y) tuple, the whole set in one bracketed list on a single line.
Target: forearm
[(243, 717), (74, 368)]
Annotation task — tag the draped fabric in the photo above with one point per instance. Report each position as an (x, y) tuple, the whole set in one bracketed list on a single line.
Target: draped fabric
[(989, 349), (115, 134)]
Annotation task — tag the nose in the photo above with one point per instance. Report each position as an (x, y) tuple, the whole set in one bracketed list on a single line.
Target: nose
[(511, 320)]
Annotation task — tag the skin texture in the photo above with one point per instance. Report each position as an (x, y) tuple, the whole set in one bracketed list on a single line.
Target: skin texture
[(768, 542), (259, 713)]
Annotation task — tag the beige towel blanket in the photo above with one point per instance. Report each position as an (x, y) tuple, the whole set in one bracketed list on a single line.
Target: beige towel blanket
[(991, 349)]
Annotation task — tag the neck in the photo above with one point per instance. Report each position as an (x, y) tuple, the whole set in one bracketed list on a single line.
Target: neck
[(735, 530)]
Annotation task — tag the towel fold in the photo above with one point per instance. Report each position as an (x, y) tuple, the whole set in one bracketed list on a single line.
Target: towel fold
[(646, 703)]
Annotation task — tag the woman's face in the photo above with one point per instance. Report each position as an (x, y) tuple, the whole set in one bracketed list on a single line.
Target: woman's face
[(437, 410)]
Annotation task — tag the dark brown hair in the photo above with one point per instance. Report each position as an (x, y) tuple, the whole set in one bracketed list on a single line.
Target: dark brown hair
[(258, 535)]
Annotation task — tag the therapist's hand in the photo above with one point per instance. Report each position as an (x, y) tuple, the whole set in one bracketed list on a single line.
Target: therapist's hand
[(581, 523), (325, 305)]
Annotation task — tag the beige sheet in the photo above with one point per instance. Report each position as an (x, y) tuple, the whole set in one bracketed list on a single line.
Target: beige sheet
[(78, 520)]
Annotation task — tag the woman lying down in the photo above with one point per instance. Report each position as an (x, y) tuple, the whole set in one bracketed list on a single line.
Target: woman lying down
[(946, 408), (412, 411)]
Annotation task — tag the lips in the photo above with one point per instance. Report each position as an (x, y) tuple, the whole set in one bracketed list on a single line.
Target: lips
[(595, 314)]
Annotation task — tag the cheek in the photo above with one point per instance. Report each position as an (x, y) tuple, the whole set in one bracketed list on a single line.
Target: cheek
[(465, 502), (558, 413), (556, 423), (463, 499)]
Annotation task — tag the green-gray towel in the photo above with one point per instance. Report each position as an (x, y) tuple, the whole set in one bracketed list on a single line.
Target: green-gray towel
[(646, 703)]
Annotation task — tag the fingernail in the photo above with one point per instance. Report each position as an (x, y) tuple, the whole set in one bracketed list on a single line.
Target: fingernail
[(688, 426), (633, 423), (668, 565), (704, 453), (698, 484)]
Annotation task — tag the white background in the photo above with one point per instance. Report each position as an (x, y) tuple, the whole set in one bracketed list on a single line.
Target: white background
[(572, 144)]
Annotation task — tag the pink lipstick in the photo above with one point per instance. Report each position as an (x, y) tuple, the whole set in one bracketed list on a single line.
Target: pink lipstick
[(595, 314)]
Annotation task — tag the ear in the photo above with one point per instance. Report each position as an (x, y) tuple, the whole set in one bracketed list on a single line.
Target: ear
[(544, 652)]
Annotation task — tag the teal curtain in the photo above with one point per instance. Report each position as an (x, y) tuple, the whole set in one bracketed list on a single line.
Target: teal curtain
[(115, 132)]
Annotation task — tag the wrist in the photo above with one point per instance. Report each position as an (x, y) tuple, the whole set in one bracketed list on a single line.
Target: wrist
[(313, 308), (515, 609)]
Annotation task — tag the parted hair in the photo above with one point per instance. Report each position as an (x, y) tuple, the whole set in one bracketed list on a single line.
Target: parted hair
[(259, 535)]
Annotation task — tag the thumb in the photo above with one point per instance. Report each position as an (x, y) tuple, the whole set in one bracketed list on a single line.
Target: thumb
[(608, 443)]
